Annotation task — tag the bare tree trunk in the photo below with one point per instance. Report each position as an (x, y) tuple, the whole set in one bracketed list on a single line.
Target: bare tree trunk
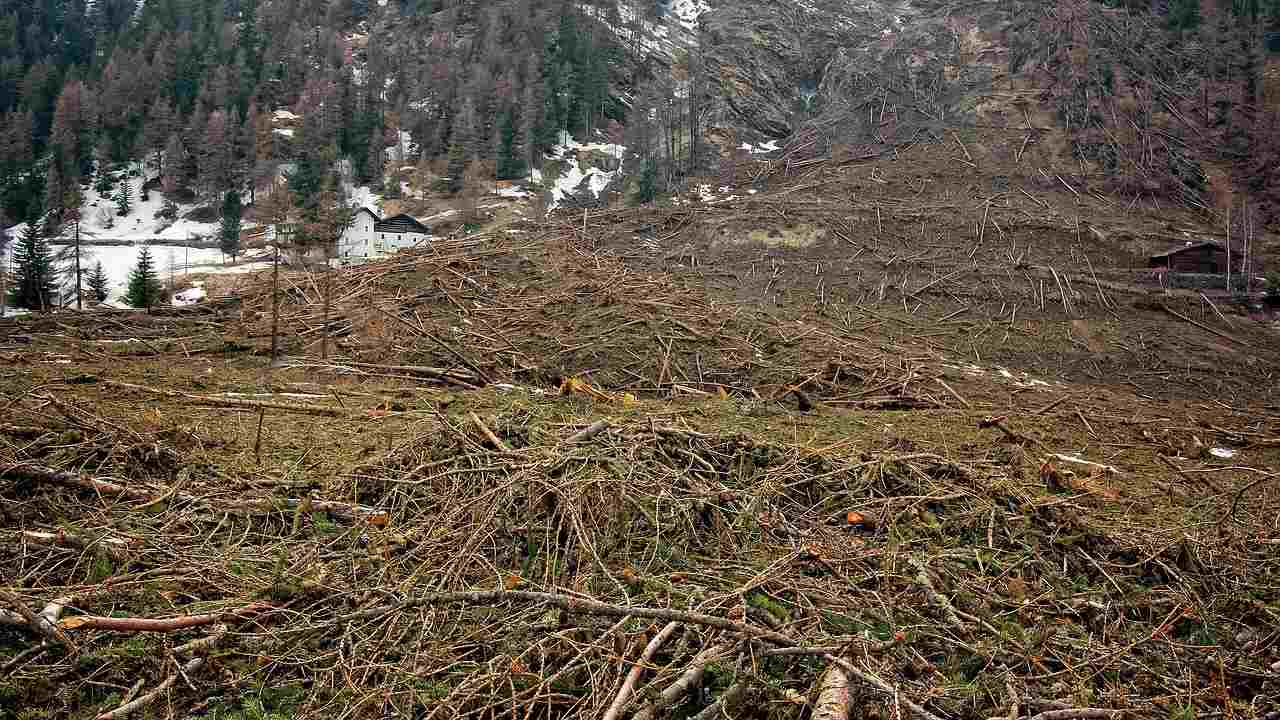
[(79, 305), (275, 303), (324, 336), (4, 280)]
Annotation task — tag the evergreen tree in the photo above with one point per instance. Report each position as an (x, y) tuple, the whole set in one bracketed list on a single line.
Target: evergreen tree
[(102, 168), (160, 125), (648, 188), (375, 164), (124, 199), (460, 144), (55, 189), (98, 283), (144, 286), (1184, 14), (510, 160), (71, 134), (229, 230), (35, 286)]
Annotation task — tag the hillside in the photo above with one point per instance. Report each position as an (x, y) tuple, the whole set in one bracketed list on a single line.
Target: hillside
[(691, 448), (769, 360)]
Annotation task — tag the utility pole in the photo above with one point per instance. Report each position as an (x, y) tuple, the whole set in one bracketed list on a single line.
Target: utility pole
[(4, 273), (328, 286), (79, 291), (284, 233)]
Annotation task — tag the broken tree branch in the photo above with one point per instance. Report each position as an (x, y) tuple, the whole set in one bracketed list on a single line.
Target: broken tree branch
[(128, 708), (233, 402), (41, 624), (628, 686), (575, 604), (683, 684), (162, 625)]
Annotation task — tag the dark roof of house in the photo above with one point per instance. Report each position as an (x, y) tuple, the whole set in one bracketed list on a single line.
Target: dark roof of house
[(371, 213), (1189, 246), (399, 224)]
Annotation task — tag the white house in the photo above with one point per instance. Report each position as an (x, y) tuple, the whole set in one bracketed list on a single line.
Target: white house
[(369, 236), (357, 241)]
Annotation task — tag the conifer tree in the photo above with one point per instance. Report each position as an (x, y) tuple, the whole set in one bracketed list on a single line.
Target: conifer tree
[(35, 284), (648, 188), (102, 168), (160, 125), (229, 229), (510, 161), (144, 286), (55, 188), (460, 144), (124, 199), (98, 283)]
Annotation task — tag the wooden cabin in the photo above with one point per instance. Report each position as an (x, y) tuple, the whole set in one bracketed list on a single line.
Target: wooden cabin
[(1193, 257)]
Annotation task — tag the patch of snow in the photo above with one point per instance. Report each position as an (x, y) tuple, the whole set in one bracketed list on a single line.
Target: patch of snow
[(119, 260), (752, 191), (400, 150), (287, 132), (653, 39), (1224, 453), (238, 268), (1022, 379), (190, 296), (438, 216), (597, 180), (284, 116), (762, 148), (141, 224), (688, 12), (362, 196), (511, 192), (536, 174)]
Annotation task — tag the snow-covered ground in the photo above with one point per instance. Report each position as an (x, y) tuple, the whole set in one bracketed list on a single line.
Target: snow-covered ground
[(573, 176), (141, 224), (400, 151), (362, 196), (687, 11), (119, 260), (762, 148)]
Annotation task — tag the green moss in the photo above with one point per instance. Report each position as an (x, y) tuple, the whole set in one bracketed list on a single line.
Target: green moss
[(769, 605), (101, 569)]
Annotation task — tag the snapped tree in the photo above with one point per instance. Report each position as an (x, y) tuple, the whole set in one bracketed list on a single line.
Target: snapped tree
[(144, 286)]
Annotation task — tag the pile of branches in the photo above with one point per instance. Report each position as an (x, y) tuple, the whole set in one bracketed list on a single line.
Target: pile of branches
[(508, 565), (491, 312)]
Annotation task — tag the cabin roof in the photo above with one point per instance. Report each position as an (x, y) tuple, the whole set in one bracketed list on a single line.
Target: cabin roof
[(1188, 246), (401, 223)]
